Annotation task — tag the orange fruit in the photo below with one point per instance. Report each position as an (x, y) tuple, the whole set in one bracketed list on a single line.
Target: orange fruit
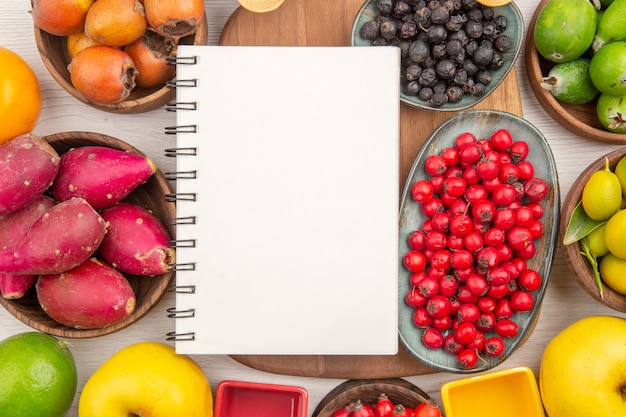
[(116, 22), (103, 74), (20, 96), (38, 376), (76, 42)]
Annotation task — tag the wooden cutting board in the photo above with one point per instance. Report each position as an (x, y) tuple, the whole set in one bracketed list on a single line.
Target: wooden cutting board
[(328, 23)]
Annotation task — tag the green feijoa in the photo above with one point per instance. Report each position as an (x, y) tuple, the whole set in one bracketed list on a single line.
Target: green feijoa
[(565, 29), (607, 68), (612, 27), (612, 112), (569, 82)]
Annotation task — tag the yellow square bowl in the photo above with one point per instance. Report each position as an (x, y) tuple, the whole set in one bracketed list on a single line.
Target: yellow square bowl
[(511, 392)]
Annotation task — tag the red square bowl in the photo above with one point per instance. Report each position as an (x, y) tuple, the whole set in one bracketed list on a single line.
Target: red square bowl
[(243, 399)]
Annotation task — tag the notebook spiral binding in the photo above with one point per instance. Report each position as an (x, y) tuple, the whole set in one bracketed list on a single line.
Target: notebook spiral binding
[(183, 244)]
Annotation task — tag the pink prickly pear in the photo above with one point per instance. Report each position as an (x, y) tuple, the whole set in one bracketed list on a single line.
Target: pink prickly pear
[(28, 165), (13, 287), (90, 296), (64, 237), (136, 242), (13, 227), (103, 176)]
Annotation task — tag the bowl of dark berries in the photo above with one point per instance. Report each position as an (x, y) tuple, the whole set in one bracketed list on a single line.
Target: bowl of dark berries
[(454, 53), (478, 225)]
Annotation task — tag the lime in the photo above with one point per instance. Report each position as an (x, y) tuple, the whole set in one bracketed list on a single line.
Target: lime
[(614, 234), (602, 194), (569, 82), (607, 68), (38, 376), (611, 111), (620, 171), (613, 272), (565, 29)]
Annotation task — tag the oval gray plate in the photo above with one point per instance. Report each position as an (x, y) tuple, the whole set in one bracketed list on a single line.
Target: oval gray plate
[(515, 30), (481, 123)]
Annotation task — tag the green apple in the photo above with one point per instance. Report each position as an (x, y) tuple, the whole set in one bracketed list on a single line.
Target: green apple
[(583, 369)]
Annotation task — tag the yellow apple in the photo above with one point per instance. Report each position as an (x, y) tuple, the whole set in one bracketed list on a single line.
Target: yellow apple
[(147, 379), (583, 369)]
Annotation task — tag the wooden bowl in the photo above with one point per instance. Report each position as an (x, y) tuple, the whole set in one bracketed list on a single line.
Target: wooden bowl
[(148, 290), (577, 263), (398, 390), (55, 56), (580, 119)]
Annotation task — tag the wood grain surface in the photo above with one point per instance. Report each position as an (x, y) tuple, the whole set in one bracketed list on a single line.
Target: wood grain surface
[(329, 23)]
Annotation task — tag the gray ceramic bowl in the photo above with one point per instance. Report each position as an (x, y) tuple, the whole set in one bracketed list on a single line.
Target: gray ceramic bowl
[(481, 123), (514, 29)]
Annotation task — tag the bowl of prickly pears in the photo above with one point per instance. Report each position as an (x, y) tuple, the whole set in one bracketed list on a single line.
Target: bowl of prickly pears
[(570, 80), (453, 56), (478, 223), (592, 229), (119, 71), (380, 397), (89, 252)]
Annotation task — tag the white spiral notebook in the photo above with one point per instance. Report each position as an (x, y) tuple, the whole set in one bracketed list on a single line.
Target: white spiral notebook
[(287, 197)]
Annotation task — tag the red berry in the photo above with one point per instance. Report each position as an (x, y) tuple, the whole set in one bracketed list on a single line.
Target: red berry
[(422, 191), (506, 328), (451, 345), (438, 306), (421, 318), (465, 332), (529, 280), (432, 338), (522, 301), (435, 165), (519, 151), (463, 139), (501, 140), (494, 346), (414, 261), (466, 359)]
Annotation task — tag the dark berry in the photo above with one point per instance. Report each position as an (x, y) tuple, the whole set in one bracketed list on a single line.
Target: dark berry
[(502, 43), (439, 99), (454, 93), (425, 93), (370, 29), (388, 29), (385, 7), (437, 34), (419, 51), (474, 29), (445, 69)]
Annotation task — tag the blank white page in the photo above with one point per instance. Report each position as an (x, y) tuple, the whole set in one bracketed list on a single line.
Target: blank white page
[(296, 200)]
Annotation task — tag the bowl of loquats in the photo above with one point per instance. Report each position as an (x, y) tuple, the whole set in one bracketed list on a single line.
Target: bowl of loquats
[(360, 396), (443, 67), (120, 71), (103, 289), (585, 246)]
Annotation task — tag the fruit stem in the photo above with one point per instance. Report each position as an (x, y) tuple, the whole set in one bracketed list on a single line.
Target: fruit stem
[(593, 260)]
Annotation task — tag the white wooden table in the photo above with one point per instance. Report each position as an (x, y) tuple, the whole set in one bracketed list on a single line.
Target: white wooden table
[(564, 302)]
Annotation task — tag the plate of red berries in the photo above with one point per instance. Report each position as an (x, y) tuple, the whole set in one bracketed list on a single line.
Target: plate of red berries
[(478, 227)]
